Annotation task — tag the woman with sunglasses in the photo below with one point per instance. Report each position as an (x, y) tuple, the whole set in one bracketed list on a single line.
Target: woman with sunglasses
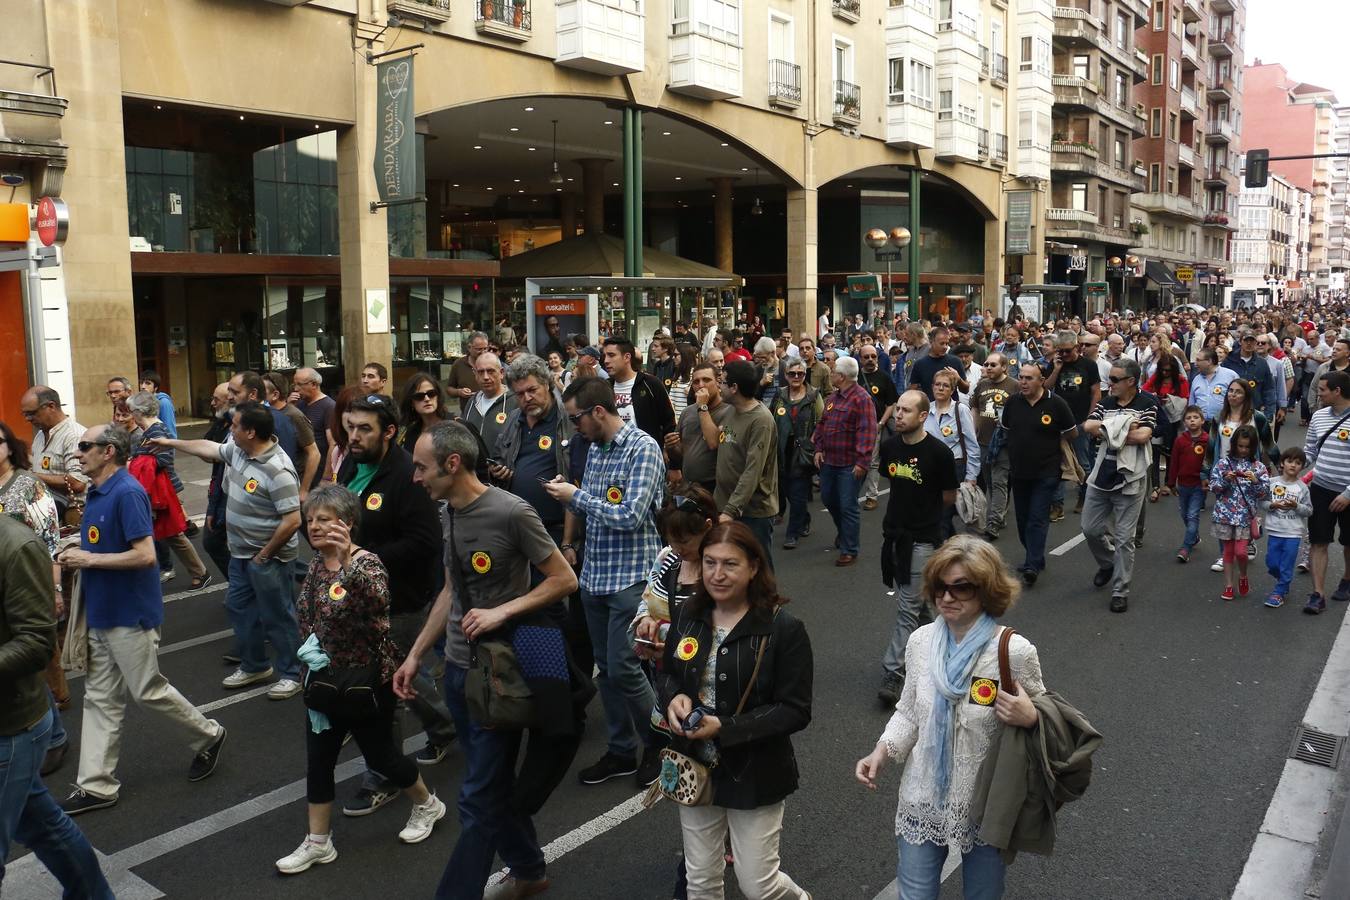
[(948, 715), (687, 515), (797, 410), (421, 408)]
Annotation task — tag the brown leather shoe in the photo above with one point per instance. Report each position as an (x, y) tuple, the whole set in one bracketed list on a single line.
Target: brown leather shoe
[(845, 559), (870, 504), (511, 888)]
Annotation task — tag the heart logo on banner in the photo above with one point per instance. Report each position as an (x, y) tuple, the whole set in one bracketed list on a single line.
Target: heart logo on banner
[(396, 80)]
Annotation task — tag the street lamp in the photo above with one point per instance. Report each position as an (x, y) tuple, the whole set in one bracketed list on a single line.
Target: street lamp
[(1121, 266), (898, 238)]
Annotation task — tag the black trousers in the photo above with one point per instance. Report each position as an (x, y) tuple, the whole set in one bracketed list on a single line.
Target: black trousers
[(377, 743)]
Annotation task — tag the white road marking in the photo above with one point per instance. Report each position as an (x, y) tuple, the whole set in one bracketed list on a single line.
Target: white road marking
[(201, 482), (233, 699), (174, 648), (585, 832), (209, 589), (1068, 545)]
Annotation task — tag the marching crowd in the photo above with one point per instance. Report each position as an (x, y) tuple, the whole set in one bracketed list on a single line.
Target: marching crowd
[(492, 552)]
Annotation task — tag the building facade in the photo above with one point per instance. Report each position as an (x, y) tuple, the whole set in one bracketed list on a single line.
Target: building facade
[(1271, 244)]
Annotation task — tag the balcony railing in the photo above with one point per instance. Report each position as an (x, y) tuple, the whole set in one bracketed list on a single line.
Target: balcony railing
[(848, 10), (785, 83), (1190, 54), (847, 102), (1221, 43), (1001, 147), (1061, 214), (984, 143), (984, 61), (511, 19), (1221, 131), (429, 11), (1000, 68), (1167, 203)]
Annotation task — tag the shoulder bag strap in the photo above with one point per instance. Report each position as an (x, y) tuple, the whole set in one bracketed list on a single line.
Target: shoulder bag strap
[(1323, 439), (1005, 679), (754, 674)]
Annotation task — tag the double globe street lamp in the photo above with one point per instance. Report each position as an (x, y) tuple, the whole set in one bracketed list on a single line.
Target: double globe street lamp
[(1121, 266), (879, 239)]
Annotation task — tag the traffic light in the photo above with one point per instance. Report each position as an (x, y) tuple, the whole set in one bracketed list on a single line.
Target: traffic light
[(1258, 168)]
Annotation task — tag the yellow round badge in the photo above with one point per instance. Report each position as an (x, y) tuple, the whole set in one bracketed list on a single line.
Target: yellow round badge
[(46, 462), (93, 534), (481, 562), (1226, 431), (374, 502), (946, 431), (337, 591), (545, 442), (983, 692), (782, 410), (614, 495), (893, 470), (876, 389), (251, 485), (1252, 383), (1045, 419), (686, 649), (1278, 490), (1199, 449), (1218, 391), (1078, 379), (501, 418), (1343, 435), (829, 406)]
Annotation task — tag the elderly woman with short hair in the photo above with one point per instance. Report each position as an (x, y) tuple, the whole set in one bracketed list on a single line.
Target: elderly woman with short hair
[(145, 413), (947, 717), (343, 613)]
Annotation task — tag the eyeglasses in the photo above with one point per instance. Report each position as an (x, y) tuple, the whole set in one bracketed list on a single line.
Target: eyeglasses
[(688, 504), (961, 591), (424, 395), (575, 418), (1117, 379), (86, 446)]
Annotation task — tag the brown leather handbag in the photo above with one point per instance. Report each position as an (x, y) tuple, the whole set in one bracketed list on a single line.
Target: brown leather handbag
[(1005, 679)]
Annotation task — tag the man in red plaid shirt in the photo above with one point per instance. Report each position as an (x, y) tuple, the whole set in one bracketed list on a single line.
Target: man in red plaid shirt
[(843, 440)]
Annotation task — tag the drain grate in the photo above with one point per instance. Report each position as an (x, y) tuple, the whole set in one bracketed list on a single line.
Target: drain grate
[(1316, 747)]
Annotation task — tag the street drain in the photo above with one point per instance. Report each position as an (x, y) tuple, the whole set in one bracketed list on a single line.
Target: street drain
[(1316, 747)]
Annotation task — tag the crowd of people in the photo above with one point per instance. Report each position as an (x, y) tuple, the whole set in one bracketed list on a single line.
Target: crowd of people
[(587, 522)]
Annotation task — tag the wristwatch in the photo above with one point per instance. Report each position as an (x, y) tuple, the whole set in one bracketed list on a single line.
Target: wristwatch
[(703, 407)]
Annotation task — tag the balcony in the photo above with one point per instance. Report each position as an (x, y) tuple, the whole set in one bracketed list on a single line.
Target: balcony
[(984, 143), (30, 122), (1070, 90), (1077, 158), (1189, 103), (1082, 225), (1077, 27), (785, 83), (1001, 149), (848, 10), (847, 104), (1190, 55), (910, 123), (999, 72), (1216, 219), (1059, 214), (960, 34), (1170, 204), (957, 140), (1221, 6), (1186, 155), (1191, 11), (510, 21), (1221, 132), (916, 14), (1222, 43), (1222, 89), (704, 65), (1216, 175), (432, 12), (603, 36)]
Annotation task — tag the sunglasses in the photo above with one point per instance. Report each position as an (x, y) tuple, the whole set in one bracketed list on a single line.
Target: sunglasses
[(961, 591), (86, 446), (688, 504), (575, 418), (796, 374), (1117, 379), (424, 395)]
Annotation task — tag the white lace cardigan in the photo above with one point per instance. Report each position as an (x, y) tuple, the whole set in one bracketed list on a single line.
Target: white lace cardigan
[(918, 819)]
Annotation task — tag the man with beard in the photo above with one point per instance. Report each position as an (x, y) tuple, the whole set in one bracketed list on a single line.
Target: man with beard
[(399, 524)]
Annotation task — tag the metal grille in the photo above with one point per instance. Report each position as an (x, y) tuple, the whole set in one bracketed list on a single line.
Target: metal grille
[(1316, 747)]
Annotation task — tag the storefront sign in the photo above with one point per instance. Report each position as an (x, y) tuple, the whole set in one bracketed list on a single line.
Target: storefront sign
[(395, 134), (1078, 263), (1185, 273), (864, 287), (53, 221), (1018, 236), (377, 311)]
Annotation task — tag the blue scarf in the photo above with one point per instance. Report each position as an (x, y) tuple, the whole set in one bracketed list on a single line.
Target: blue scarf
[(951, 665)]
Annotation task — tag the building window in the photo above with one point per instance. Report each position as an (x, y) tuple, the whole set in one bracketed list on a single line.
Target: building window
[(1173, 132), (897, 80), (921, 84), (1122, 89), (1024, 60), (1103, 76), (1155, 122), (1171, 179), (1157, 68), (1159, 15), (1102, 210), (1154, 176), (1078, 195), (1122, 31), (1174, 79), (781, 43), (1081, 67), (1176, 21), (1122, 153)]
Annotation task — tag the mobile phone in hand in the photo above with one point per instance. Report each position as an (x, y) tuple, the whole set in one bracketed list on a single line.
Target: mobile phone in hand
[(692, 721)]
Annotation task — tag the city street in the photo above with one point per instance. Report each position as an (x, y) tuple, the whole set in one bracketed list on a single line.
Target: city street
[(1197, 699)]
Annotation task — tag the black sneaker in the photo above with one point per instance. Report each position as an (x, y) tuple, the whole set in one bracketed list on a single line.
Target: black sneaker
[(81, 802), (1315, 605), (1103, 576), (431, 754), (611, 765), (650, 769), (1119, 604), (367, 800), (1029, 576), (889, 692), (204, 763)]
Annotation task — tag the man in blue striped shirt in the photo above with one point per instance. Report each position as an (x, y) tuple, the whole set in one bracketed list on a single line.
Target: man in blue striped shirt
[(1328, 450), (619, 495)]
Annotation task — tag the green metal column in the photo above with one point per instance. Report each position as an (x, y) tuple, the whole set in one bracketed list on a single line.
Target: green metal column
[(638, 225), (914, 178), (628, 222)]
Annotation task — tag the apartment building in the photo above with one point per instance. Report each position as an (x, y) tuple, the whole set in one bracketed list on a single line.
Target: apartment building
[(1293, 118), (1270, 243), (1192, 101)]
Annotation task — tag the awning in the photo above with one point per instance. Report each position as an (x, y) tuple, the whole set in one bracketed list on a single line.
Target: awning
[(600, 255), (1159, 272), (1048, 288)]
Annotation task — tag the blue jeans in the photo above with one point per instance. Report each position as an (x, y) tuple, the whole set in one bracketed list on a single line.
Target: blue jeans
[(58, 736), (1031, 503), (261, 602), (839, 492), (799, 504), (625, 692), (487, 824), (763, 529), (1281, 554), (1082, 449), (919, 873), (1191, 500), (30, 815)]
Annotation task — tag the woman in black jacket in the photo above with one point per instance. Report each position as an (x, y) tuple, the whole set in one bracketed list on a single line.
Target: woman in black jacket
[(709, 665)]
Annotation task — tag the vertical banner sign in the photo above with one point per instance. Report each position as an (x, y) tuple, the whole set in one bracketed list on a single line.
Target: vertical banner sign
[(396, 138), (1019, 223)]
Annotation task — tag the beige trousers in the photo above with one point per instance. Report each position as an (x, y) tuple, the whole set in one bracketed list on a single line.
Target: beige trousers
[(754, 843), (122, 661), (187, 554)]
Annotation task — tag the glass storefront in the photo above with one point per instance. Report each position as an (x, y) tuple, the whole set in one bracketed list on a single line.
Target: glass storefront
[(430, 321)]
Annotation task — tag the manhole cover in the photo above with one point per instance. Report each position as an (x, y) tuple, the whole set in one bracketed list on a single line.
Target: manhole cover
[(1316, 747)]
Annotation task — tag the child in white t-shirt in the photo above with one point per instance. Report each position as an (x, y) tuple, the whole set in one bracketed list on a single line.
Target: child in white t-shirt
[(1287, 513)]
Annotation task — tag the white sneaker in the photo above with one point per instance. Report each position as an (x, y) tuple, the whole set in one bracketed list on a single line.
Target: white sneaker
[(1218, 565), (165, 576), (239, 678), (422, 820), (306, 855), (284, 689)]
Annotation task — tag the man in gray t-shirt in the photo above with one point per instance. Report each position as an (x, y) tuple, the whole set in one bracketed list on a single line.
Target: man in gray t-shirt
[(492, 540)]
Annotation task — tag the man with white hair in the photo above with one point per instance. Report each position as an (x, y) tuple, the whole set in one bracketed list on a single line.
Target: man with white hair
[(844, 439), (769, 367), (486, 411), (317, 407)]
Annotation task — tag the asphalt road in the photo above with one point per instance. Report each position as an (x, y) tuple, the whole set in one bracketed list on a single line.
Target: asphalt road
[(1197, 698)]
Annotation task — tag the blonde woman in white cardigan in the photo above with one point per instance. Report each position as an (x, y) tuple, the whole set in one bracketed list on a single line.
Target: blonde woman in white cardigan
[(948, 715)]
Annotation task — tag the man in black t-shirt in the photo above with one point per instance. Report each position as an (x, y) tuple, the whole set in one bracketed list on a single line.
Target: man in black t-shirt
[(922, 473), (1077, 381), (1036, 422), (882, 391), (939, 357)]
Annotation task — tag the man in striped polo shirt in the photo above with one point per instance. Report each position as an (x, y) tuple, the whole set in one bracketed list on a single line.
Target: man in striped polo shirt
[(262, 516), (1328, 450)]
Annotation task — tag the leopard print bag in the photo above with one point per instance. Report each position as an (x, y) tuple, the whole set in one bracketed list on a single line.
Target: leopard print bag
[(684, 779)]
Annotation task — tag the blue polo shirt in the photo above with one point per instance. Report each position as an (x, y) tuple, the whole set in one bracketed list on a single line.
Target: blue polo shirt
[(116, 514)]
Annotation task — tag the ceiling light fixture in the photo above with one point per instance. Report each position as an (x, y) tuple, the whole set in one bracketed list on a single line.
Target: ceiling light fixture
[(665, 134), (609, 121), (478, 146), (556, 177), (724, 143), (514, 128), (529, 109)]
